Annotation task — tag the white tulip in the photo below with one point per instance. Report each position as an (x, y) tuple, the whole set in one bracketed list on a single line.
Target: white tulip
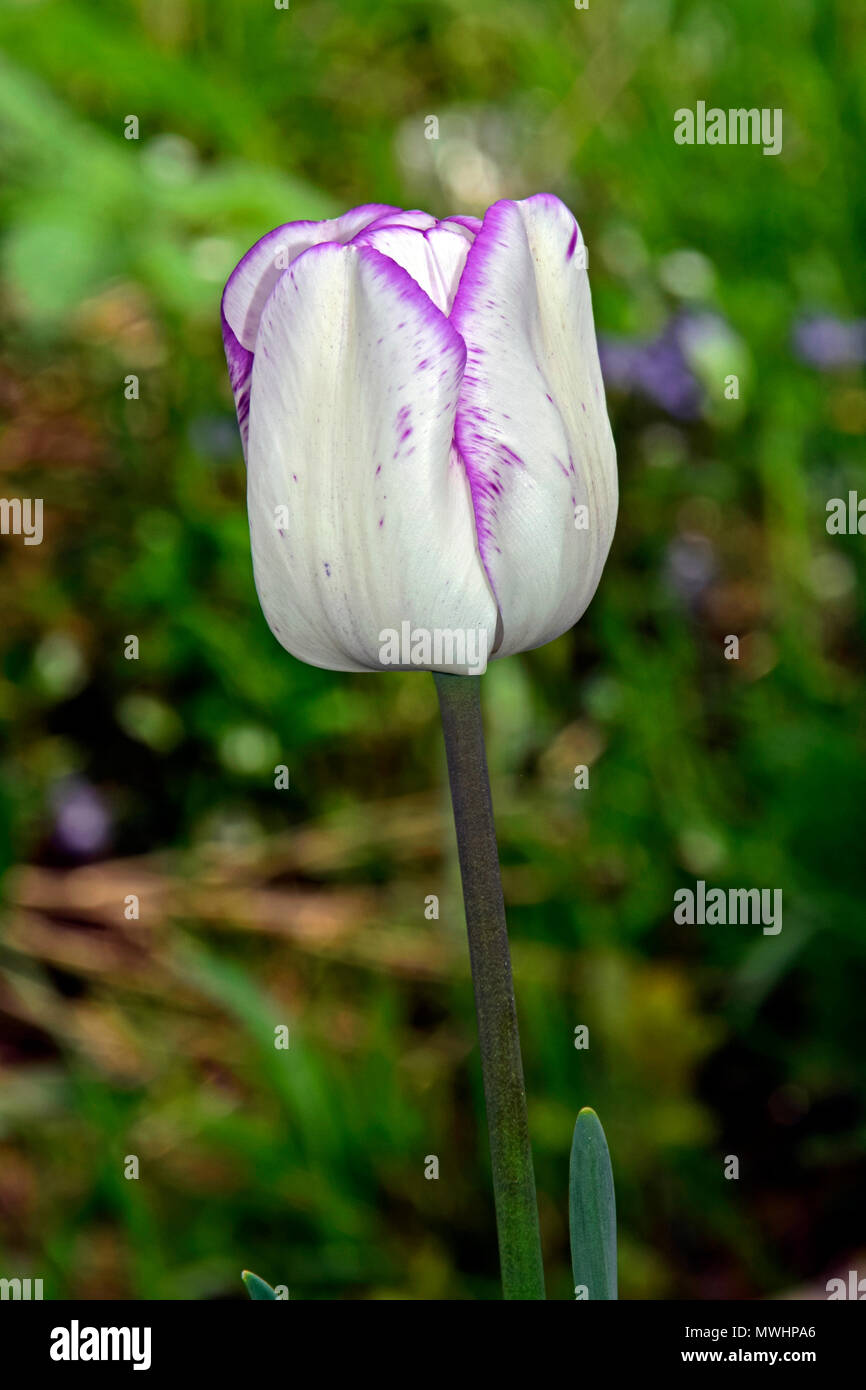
[(425, 429)]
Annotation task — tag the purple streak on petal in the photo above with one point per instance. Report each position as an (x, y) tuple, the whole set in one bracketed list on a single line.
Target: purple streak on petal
[(470, 421), (401, 281), (240, 365)]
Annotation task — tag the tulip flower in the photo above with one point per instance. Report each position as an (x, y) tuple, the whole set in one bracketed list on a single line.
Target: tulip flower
[(424, 424), (431, 481)]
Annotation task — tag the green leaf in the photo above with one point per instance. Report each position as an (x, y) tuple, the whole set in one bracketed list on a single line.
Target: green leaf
[(592, 1210), (256, 1287)]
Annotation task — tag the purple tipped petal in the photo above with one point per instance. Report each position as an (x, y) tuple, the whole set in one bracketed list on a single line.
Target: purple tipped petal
[(354, 393), (470, 225), (434, 258), (254, 277), (532, 425), (395, 217)]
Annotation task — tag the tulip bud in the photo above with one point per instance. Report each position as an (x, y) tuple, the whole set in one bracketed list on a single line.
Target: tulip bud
[(424, 423)]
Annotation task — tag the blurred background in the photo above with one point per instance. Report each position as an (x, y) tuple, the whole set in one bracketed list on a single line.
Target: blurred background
[(153, 1036)]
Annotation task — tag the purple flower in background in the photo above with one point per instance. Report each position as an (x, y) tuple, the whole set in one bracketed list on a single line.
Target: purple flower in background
[(620, 362), (828, 343), (213, 436), (665, 376), (690, 567), (82, 821), (656, 369), (423, 418)]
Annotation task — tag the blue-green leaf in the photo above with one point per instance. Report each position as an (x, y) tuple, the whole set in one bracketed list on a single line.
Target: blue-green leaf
[(256, 1287), (592, 1210)]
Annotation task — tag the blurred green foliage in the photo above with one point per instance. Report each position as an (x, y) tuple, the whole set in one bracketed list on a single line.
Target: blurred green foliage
[(155, 1037)]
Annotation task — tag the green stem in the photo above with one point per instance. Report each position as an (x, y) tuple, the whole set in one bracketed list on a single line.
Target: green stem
[(502, 1069)]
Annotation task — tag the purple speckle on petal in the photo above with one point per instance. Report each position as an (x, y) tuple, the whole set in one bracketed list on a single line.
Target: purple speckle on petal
[(510, 456)]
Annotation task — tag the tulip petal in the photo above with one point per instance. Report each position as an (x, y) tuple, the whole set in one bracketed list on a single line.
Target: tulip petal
[(354, 392), (250, 283), (396, 217), (532, 423), (254, 277), (470, 226), (434, 258)]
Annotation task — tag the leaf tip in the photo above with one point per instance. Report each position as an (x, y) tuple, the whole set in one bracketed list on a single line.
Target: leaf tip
[(256, 1287)]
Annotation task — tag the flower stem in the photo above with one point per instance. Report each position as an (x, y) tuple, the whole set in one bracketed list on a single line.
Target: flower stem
[(502, 1069)]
